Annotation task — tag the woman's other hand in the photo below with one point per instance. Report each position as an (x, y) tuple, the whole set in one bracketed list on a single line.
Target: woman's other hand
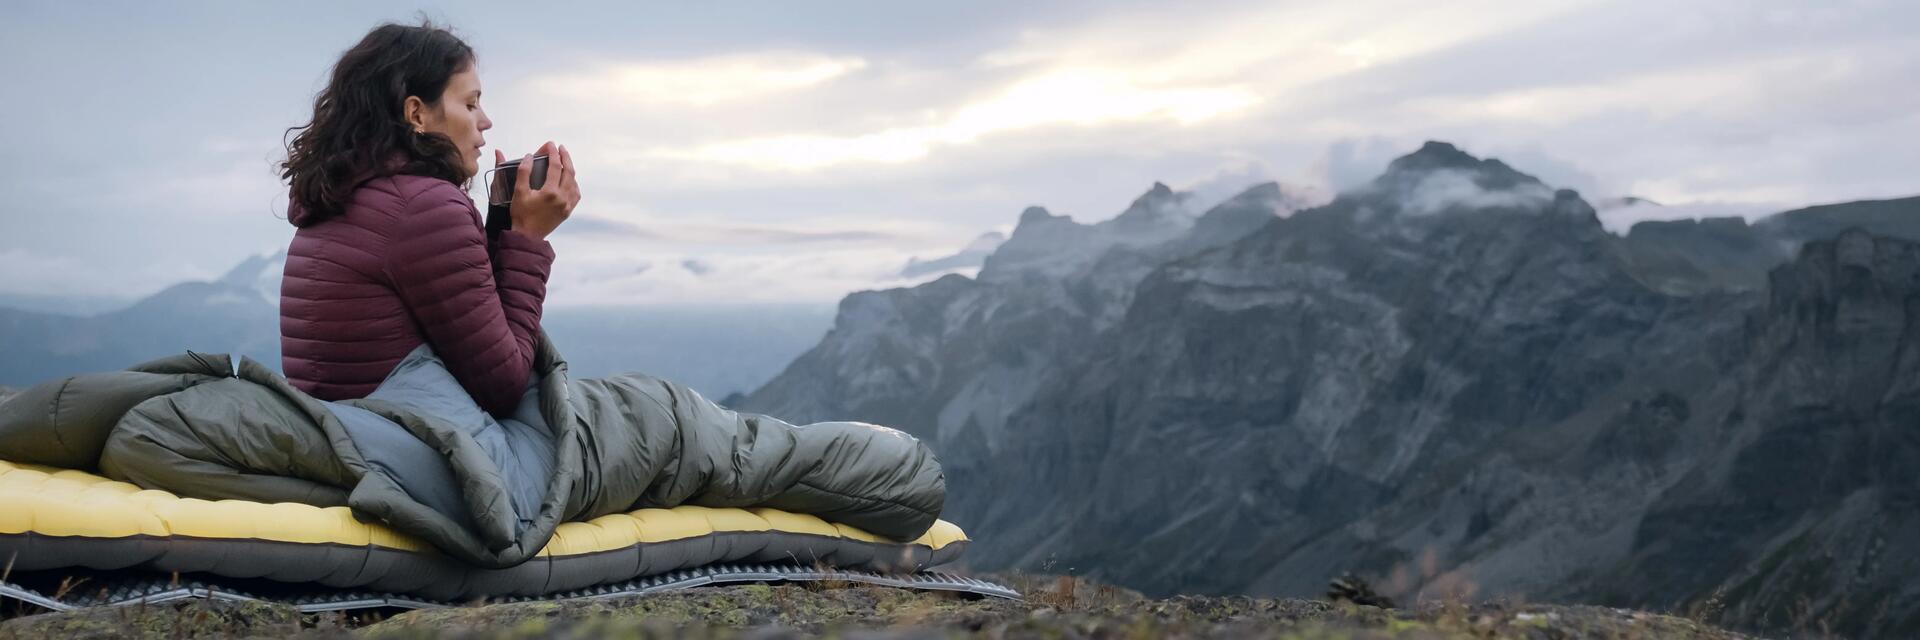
[(537, 212)]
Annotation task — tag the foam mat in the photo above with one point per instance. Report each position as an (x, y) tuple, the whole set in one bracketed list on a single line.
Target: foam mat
[(66, 591)]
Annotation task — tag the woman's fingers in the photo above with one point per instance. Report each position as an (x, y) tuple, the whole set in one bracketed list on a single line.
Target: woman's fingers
[(573, 175), (564, 163), (499, 158), (553, 162), (523, 175), (548, 151)]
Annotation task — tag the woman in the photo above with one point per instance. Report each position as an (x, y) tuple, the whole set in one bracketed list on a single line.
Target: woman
[(390, 251)]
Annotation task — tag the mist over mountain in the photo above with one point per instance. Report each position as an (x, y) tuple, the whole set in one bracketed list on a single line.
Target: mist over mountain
[(1451, 379), (718, 349), (968, 257), (206, 317)]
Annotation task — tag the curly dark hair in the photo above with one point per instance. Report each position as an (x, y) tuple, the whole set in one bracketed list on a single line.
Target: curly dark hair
[(357, 121)]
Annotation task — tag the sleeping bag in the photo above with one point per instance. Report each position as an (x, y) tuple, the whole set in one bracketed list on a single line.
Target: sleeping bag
[(484, 495)]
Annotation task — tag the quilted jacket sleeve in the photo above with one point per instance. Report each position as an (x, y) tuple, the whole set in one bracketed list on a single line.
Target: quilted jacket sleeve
[(482, 318)]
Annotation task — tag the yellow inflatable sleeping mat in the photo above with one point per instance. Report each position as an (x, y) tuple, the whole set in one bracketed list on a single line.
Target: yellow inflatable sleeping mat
[(61, 518)]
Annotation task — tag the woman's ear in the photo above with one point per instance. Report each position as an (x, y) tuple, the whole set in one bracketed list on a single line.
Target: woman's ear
[(415, 111)]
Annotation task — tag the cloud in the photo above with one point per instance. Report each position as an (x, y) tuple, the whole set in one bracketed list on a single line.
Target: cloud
[(1557, 172), (39, 274), (1178, 70), (1229, 180), (627, 224), (600, 277), (1449, 189), (1355, 162), (724, 233), (1717, 104), (1620, 219), (1077, 97), (596, 225), (794, 148), (1276, 46), (699, 82), (967, 260), (788, 235), (806, 261), (1708, 90), (205, 189)]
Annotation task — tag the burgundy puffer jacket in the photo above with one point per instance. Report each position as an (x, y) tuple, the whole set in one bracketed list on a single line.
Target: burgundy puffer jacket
[(408, 263)]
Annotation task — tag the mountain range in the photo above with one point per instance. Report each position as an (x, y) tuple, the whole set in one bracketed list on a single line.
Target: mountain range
[(1452, 380), (234, 314), (716, 349)]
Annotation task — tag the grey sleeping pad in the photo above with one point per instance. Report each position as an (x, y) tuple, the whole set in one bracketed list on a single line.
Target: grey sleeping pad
[(192, 425)]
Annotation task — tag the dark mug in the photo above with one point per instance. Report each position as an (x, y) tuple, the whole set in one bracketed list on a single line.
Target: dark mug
[(500, 182)]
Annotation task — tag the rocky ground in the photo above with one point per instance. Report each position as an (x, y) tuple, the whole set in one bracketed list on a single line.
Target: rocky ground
[(1056, 608)]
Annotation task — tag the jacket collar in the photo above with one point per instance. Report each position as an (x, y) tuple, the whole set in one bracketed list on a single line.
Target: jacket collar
[(396, 161)]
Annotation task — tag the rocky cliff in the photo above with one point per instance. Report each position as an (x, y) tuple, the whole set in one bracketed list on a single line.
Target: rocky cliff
[(1685, 257), (1451, 378), (1800, 494)]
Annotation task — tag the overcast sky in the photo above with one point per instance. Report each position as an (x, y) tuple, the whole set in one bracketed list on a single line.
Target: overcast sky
[(792, 152)]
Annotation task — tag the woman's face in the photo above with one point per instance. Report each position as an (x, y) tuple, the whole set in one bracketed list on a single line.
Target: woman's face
[(459, 117)]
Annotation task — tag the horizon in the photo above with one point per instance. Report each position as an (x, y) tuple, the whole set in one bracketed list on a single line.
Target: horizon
[(769, 155), (1616, 214)]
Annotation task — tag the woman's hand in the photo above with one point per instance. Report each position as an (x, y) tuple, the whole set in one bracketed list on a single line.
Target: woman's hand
[(537, 212)]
